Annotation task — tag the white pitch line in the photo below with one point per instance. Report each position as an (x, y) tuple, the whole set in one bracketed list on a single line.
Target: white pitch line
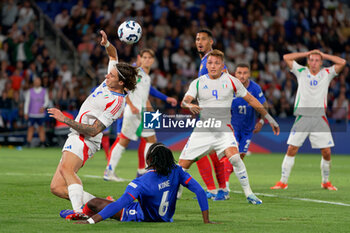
[(297, 198), (48, 174)]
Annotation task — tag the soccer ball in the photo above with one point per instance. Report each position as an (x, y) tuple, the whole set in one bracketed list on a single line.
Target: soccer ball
[(130, 32)]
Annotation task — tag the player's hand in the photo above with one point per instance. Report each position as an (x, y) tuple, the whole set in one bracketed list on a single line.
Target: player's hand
[(104, 38), (275, 129), (195, 109), (171, 101), (315, 51), (258, 127), (26, 117), (81, 222), (56, 113)]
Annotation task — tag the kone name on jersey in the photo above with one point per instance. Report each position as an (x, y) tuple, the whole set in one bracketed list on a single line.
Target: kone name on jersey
[(164, 184)]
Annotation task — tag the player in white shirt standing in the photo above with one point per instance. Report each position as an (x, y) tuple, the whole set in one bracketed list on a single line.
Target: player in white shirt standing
[(98, 111), (214, 93), (310, 111)]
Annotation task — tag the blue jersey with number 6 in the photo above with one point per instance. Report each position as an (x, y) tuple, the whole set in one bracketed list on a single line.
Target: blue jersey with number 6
[(157, 194), (243, 115)]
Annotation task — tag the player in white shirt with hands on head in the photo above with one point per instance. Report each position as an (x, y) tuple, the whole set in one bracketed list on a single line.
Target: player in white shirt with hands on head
[(98, 111), (214, 93), (310, 111)]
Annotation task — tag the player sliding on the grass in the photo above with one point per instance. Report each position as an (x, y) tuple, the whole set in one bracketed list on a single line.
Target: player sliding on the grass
[(98, 111), (310, 111), (214, 93), (155, 191)]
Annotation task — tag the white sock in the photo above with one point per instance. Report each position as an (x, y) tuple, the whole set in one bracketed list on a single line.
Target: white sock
[(87, 197), (147, 146), (116, 154), (241, 173), (287, 165), (228, 186), (179, 192), (325, 169), (75, 193), (141, 171)]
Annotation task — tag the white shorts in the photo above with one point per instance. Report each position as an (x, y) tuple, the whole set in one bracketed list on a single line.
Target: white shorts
[(201, 143), (314, 127), (84, 149), (132, 127)]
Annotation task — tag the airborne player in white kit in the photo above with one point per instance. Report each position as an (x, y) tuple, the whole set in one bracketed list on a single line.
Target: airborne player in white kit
[(98, 111), (310, 111), (216, 90)]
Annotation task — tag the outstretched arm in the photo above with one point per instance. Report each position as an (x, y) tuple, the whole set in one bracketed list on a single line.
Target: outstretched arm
[(90, 130), (195, 187), (154, 92), (339, 62), (290, 57), (109, 210), (252, 101), (111, 50)]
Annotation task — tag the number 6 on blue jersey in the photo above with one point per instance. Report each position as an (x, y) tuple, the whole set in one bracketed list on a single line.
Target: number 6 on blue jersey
[(163, 208)]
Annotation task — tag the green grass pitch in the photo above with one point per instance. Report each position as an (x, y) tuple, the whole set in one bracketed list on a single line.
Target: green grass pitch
[(26, 204)]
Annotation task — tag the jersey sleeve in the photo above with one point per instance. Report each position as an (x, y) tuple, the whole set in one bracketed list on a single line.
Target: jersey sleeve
[(238, 88), (331, 72), (193, 89), (112, 111), (297, 69), (133, 189), (111, 63), (184, 177)]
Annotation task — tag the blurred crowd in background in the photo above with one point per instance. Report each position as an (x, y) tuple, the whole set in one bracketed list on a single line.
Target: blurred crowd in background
[(255, 32)]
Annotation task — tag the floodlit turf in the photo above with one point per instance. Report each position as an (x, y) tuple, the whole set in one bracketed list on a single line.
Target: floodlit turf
[(26, 204)]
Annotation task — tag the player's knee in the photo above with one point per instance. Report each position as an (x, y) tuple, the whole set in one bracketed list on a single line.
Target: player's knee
[(97, 204), (326, 153), (242, 155), (292, 150), (235, 159), (92, 204), (186, 164), (56, 190)]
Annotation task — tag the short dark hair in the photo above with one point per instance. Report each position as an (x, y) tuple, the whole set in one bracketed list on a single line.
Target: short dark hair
[(127, 74), (150, 51), (207, 31), (161, 159), (216, 53), (243, 65)]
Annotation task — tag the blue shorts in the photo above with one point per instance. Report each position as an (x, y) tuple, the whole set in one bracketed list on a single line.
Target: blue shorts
[(39, 121), (243, 138), (132, 213)]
